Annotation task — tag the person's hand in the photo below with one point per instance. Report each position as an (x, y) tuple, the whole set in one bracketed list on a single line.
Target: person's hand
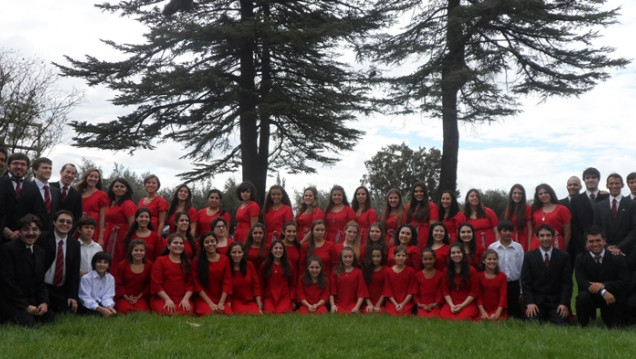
[(399, 307), (169, 305), (609, 298), (334, 309), (72, 303), (370, 309), (31, 310), (42, 309), (185, 304), (563, 311), (532, 310)]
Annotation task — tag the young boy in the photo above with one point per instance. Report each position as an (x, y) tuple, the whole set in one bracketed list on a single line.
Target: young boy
[(88, 247), (97, 287), (510, 261)]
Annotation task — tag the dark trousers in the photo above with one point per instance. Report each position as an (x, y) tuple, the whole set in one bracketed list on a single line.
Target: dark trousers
[(586, 304), (514, 308), (11, 314)]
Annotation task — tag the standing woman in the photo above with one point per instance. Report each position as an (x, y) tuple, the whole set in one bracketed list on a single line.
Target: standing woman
[(247, 212), (483, 219), (94, 201), (365, 215), (132, 280), (460, 287), (157, 205), (492, 299), (213, 210), (143, 229), (276, 212), (255, 245), (439, 242), (120, 215), (292, 246), (212, 278), (246, 287), (394, 215), (182, 202), (407, 238), (183, 227), (450, 214), (308, 212), (277, 281), (337, 214), (220, 229), (520, 214), (420, 212), (318, 246), (472, 248), (171, 280), (547, 210)]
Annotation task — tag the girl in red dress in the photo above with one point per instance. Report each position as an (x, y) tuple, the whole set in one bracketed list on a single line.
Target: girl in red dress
[(429, 297), (119, 216), (247, 212), (520, 214), (492, 299), (407, 237), (157, 205), (399, 284), (292, 246), (182, 202), (374, 269), (220, 229), (337, 214), (421, 212), (472, 249), (348, 288), (213, 210), (132, 280), (246, 288), (313, 288), (183, 225), (483, 219), (276, 212), (94, 201), (212, 278), (277, 281), (351, 239), (143, 229), (375, 237), (547, 210), (171, 280), (450, 214), (318, 246), (460, 287), (438, 241), (255, 245), (394, 216), (365, 214), (308, 212)]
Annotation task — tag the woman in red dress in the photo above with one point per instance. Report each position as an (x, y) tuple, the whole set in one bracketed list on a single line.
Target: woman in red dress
[(421, 212), (246, 288), (120, 215), (313, 288), (276, 212), (351, 239), (365, 214), (292, 246), (547, 210), (407, 237), (94, 201), (277, 281), (460, 287), (374, 269), (520, 214), (171, 280), (157, 205), (318, 246), (308, 212), (399, 284), (182, 202), (483, 219), (348, 288), (438, 241), (450, 214), (472, 249), (132, 280), (394, 216), (429, 297), (143, 229), (247, 212), (213, 210), (182, 226), (255, 245), (220, 229), (337, 214), (212, 278), (492, 299)]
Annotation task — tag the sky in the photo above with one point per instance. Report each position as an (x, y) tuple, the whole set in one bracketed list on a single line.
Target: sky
[(547, 142)]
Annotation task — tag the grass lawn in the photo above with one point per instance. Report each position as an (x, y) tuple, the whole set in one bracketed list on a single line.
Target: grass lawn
[(300, 336)]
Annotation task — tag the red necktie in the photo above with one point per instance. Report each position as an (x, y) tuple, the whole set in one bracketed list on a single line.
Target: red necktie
[(18, 188), (58, 278), (614, 209), (547, 260), (592, 196), (47, 199), (64, 193), (598, 259)]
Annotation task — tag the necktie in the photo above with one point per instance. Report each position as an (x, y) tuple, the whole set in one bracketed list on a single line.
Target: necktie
[(64, 193), (614, 209), (598, 259), (547, 260), (58, 278), (18, 188), (592, 196), (47, 199), (30, 249)]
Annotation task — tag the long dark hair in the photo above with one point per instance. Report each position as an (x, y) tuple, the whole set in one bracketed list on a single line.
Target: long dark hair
[(452, 210), (322, 281), (132, 245), (125, 197), (311, 246), (284, 262), (481, 211), (243, 263), (282, 235), (262, 250), (330, 204), (268, 199), (340, 267), (399, 211), (135, 226), (175, 200), (517, 210), (82, 184), (354, 202), (382, 242), (537, 204), (482, 265), (419, 211), (464, 269), (431, 240), (185, 261), (368, 267), (203, 264), (413, 241), (303, 206), (472, 245), (188, 235)]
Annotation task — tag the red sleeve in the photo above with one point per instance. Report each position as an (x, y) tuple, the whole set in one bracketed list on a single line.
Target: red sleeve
[(363, 291), (289, 214), (119, 279), (162, 205), (327, 290), (503, 290), (412, 289), (333, 255), (433, 211), (474, 283), (147, 268), (253, 209), (529, 213), (102, 199), (197, 287), (445, 284), (317, 214), (189, 281), (226, 287), (227, 217), (480, 281), (388, 289), (156, 277), (128, 208), (194, 216), (333, 288), (256, 285), (565, 214), (492, 217)]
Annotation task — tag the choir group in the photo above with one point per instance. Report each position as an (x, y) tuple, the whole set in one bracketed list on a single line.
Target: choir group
[(88, 249)]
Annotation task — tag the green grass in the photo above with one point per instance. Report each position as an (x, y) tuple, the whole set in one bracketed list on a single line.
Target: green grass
[(301, 336)]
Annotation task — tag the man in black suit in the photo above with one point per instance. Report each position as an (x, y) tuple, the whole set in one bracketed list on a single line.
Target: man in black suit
[(48, 201), (603, 280), (631, 183), (3, 158), (63, 263), (70, 198), (24, 298), (18, 196), (546, 280), (574, 187), (616, 215)]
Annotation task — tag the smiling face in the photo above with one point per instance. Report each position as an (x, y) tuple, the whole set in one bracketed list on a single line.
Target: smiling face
[(351, 233), (176, 246), (308, 197), (183, 223), (439, 233), (210, 244), (347, 258), (138, 253), (544, 196), (446, 200), (516, 195), (63, 224), (257, 235), (361, 196), (214, 200), (119, 189), (573, 186), (591, 182), (183, 193), (236, 254), (290, 233), (393, 200), (491, 261), (614, 185), (101, 266), (93, 178), (29, 233), (400, 258), (314, 269), (418, 193), (143, 219), (276, 195), (337, 196), (545, 239), (428, 260), (68, 175), (405, 236), (456, 255), (465, 234), (278, 250), (473, 198), (595, 243), (151, 185)]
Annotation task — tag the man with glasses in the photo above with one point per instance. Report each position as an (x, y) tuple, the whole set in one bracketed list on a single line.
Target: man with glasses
[(18, 197)]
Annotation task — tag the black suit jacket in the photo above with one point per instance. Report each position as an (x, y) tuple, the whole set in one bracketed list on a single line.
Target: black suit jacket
[(15, 208), (22, 275), (71, 260), (72, 203), (582, 218), (566, 202), (541, 284), (619, 231), (45, 217), (612, 272)]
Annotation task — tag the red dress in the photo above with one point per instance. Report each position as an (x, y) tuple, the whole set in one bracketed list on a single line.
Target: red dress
[(441, 257), (521, 236), (336, 222), (194, 218), (398, 286), (253, 255), (423, 227), (376, 286), (413, 259), (429, 291), (168, 276), (493, 293), (117, 227), (204, 221), (158, 204), (154, 245), (326, 252), (278, 290), (91, 206), (312, 294), (475, 260), (223, 249), (458, 293), (274, 220), (130, 283), (557, 219), (244, 220), (219, 282), (293, 254), (347, 288), (452, 225), (304, 221), (484, 228), (365, 220), (245, 288), (391, 228)]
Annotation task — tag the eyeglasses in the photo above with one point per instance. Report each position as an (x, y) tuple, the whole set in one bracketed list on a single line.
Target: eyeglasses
[(65, 221), (220, 226)]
